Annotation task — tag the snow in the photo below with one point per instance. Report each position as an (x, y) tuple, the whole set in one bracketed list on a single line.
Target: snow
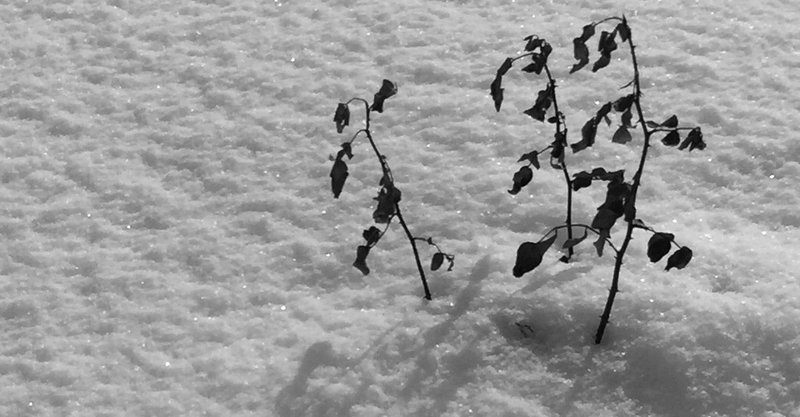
[(172, 247)]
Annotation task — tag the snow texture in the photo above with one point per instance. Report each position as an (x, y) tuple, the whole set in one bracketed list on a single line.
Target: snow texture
[(171, 246)]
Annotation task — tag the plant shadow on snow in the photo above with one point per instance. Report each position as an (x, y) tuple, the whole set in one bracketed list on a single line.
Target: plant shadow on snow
[(427, 372)]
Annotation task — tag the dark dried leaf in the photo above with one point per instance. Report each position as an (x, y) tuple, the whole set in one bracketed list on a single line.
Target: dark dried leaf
[(532, 157), (361, 259), (659, 245), (673, 138), (521, 178), (347, 149), (582, 179), (372, 235), (533, 42), (505, 67), (672, 121), (624, 30), (679, 259), (529, 256), (600, 243), (624, 103), (694, 140), (387, 90), (601, 63), (497, 91), (588, 32), (588, 133), (388, 197), (626, 118), (603, 112), (437, 260), (342, 117), (536, 113), (622, 135), (557, 155), (580, 51), (339, 174)]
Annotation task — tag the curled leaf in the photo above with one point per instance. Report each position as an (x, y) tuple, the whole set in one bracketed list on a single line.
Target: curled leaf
[(505, 67), (659, 245), (622, 135), (601, 63), (372, 235), (588, 32), (338, 176), (680, 258), (588, 133), (603, 112), (342, 117), (497, 91), (361, 259), (624, 30), (694, 140), (529, 256), (624, 103), (533, 42), (388, 197), (437, 260), (672, 121), (521, 178), (673, 138), (581, 52), (347, 149), (532, 157), (387, 90), (582, 179), (600, 243)]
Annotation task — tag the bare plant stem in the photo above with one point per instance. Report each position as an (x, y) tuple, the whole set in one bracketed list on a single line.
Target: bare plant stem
[(568, 221), (630, 204), (416, 253), (387, 174)]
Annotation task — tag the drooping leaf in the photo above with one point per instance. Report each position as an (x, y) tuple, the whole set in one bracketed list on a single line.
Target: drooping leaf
[(342, 117), (694, 140), (387, 90), (673, 138), (626, 118), (600, 243), (539, 61), (603, 112), (532, 157), (533, 42), (437, 260), (581, 53), (659, 245), (679, 259), (569, 243), (529, 256), (622, 135), (607, 43), (497, 91), (505, 67), (387, 199), (624, 30), (588, 133), (372, 235), (339, 174), (536, 113), (601, 62), (361, 259), (588, 32), (605, 218), (557, 155), (347, 149), (671, 122), (640, 224), (582, 179), (521, 178), (624, 103)]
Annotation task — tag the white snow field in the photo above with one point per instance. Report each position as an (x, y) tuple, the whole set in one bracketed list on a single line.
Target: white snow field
[(171, 245)]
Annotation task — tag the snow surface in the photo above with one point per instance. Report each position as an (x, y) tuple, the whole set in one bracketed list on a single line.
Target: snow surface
[(172, 247)]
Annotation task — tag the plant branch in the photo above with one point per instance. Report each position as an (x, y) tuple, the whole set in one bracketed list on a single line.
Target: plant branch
[(416, 252), (630, 203)]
